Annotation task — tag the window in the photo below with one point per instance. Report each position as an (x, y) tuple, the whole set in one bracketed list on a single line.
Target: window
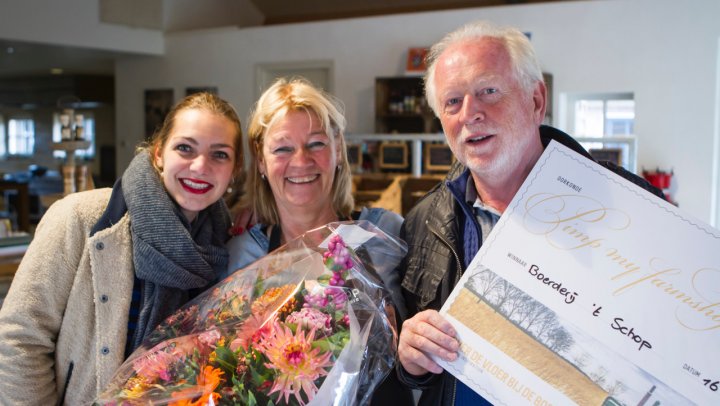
[(608, 117), (88, 135), (20, 136), (3, 151)]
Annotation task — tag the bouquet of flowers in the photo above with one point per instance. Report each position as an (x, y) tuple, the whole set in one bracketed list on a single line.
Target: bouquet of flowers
[(309, 323)]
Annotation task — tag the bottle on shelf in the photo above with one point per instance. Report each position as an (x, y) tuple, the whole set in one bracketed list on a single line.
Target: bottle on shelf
[(65, 127), (79, 127)]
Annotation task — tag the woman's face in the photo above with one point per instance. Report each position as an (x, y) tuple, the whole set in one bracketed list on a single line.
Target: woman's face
[(299, 159), (198, 159)]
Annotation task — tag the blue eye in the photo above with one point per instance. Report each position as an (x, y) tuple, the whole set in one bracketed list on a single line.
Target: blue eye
[(452, 105), (317, 145), (183, 148), (222, 155), (490, 94), (282, 150), (453, 101)]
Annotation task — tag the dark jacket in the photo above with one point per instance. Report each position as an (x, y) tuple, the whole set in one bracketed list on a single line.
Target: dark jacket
[(439, 230)]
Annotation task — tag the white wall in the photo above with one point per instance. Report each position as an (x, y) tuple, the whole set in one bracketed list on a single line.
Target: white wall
[(73, 23), (663, 51)]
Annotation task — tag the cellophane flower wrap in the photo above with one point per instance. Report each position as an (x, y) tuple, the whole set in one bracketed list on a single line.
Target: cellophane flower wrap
[(308, 324)]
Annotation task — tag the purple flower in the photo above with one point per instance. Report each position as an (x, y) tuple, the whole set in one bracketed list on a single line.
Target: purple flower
[(309, 318)]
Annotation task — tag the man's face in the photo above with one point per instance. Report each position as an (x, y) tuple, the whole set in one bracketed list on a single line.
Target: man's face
[(490, 121)]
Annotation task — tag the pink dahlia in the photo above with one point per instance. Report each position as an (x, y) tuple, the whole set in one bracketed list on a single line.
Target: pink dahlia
[(311, 319), (295, 361), (154, 365)]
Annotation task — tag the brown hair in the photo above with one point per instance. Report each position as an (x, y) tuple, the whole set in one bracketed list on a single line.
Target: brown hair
[(286, 95)]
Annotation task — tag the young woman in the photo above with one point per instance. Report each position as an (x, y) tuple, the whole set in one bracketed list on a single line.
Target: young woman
[(106, 266)]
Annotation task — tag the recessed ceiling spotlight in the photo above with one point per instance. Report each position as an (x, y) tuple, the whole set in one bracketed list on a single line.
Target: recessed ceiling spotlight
[(10, 50), (56, 71)]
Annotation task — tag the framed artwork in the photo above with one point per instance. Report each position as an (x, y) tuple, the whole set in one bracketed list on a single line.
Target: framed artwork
[(437, 157), (158, 103), (613, 155), (416, 60), (394, 155), (355, 156), (548, 79), (199, 89)]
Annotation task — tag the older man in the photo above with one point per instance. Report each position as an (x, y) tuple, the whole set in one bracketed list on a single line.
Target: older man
[(486, 86)]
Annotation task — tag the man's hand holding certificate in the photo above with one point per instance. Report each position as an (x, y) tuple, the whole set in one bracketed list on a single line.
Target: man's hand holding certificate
[(590, 290)]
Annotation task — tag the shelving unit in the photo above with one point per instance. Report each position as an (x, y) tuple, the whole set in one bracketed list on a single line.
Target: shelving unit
[(403, 122), (400, 106), (414, 140), (75, 177)]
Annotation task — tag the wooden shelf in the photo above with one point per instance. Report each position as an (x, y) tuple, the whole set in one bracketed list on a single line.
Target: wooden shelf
[(70, 171), (71, 145), (400, 106)]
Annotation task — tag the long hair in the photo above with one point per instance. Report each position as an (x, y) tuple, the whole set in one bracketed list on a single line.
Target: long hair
[(283, 96)]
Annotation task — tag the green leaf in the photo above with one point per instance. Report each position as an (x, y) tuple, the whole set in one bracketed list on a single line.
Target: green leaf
[(226, 359)]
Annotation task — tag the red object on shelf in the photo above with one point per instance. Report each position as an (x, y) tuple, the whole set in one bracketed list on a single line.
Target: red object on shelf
[(659, 179)]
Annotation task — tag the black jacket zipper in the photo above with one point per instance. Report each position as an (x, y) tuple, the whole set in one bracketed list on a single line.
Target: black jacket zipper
[(61, 400), (450, 247)]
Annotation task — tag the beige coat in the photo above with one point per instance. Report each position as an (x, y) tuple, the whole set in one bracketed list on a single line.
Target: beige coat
[(67, 308)]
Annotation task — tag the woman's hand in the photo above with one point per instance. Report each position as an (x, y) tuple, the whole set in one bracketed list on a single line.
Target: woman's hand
[(244, 219)]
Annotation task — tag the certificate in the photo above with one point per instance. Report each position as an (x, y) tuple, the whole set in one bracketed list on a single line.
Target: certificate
[(590, 290)]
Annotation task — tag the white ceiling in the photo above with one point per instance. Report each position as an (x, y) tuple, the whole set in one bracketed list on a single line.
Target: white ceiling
[(36, 59)]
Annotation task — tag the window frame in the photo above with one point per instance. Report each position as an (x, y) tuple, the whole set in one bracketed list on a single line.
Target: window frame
[(627, 143), (572, 98), (6, 141)]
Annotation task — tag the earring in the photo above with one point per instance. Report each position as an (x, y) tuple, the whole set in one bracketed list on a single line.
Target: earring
[(262, 175), (230, 185), (337, 168)]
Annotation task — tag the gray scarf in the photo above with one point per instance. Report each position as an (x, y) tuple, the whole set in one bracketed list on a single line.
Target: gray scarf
[(170, 255)]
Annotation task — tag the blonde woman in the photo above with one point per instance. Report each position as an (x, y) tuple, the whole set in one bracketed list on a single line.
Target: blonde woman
[(299, 179)]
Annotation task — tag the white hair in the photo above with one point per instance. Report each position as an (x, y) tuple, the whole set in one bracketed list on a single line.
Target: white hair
[(522, 56)]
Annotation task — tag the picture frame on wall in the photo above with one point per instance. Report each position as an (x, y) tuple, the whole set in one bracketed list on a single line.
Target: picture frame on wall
[(437, 157), (158, 103), (416, 60), (394, 155), (355, 157), (548, 79)]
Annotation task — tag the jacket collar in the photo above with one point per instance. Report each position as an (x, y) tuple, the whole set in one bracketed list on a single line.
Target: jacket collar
[(548, 134), (456, 183), (115, 210)]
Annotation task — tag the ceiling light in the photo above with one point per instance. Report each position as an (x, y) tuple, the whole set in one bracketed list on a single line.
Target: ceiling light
[(56, 71), (10, 50)]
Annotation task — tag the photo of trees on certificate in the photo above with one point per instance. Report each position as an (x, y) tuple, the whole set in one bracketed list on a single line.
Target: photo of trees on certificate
[(576, 364)]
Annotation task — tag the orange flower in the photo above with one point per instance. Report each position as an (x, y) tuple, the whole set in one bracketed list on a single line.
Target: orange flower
[(209, 379), (272, 299)]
